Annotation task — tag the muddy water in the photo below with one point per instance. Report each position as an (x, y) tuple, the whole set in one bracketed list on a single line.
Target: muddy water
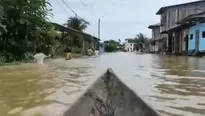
[(173, 86)]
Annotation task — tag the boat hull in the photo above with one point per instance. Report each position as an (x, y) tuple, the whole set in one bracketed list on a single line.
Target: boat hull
[(109, 96)]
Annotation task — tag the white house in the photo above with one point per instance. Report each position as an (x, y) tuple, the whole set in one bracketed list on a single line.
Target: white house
[(130, 45)]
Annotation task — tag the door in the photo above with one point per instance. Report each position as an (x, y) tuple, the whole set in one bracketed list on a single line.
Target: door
[(186, 39), (197, 33), (170, 43)]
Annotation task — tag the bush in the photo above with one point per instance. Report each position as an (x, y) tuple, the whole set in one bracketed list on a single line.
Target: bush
[(77, 50), (28, 57), (2, 59), (111, 48)]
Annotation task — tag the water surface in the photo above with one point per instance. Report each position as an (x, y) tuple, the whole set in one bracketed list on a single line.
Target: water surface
[(173, 86)]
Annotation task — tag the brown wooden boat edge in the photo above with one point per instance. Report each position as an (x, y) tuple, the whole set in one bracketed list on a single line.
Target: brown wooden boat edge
[(109, 96)]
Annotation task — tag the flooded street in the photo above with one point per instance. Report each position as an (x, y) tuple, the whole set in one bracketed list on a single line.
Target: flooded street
[(173, 86)]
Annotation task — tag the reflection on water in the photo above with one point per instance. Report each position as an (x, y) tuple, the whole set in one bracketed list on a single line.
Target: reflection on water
[(181, 88), (173, 86)]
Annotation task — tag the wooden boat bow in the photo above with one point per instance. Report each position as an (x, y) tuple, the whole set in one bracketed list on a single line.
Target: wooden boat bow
[(109, 96)]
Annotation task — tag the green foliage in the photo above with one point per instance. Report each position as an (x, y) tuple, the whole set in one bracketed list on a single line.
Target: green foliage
[(78, 42), (23, 26), (111, 46), (142, 42), (77, 50), (25, 30), (2, 59)]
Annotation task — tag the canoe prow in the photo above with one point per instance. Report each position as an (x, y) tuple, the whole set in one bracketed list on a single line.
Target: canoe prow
[(109, 96)]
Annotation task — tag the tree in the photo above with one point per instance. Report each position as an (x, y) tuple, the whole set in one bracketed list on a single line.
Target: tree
[(142, 42), (111, 46), (119, 40), (78, 41), (23, 26), (77, 23)]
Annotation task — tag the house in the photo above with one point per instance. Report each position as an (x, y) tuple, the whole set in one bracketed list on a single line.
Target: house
[(196, 38), (130, 45), (87, 39), (157, 38), (176, 34)]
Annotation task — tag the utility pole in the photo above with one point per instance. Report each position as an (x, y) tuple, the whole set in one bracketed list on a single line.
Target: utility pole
[(99, 21), (99, 32), (98, 28)]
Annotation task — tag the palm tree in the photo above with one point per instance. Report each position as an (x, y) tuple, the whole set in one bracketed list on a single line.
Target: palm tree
[(141, 40), (119, 40), (77, 23)]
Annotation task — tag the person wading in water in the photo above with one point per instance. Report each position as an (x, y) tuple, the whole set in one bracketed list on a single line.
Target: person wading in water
[(90, 52), (68, 54)]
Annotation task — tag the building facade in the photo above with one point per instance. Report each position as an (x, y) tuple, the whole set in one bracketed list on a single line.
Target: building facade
[(196, 39), (157, 38), (176, 33), (130, 45)]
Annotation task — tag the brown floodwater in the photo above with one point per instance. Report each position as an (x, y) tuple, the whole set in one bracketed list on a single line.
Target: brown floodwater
[(173, 86)]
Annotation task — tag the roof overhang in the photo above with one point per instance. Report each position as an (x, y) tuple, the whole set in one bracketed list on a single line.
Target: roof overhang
[(154, 26), (131, 41), (163, 32), (175, 28), (178, 27), (192, 19), (162, 9), (70, 30)]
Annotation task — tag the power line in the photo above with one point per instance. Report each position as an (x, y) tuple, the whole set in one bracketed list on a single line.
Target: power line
[(62, 7), (87, 8), (70, 8)]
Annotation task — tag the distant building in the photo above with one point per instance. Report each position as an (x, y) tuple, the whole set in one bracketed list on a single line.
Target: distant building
[(130, 45)]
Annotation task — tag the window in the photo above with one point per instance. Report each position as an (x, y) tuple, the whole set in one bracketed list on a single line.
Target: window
[(203, 34), (191, 37), (130, 44), (163, 20)]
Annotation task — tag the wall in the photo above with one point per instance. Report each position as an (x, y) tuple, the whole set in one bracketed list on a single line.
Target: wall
[(192, 30), (126, 44), (156, 36), (102, 48), (156, 33)]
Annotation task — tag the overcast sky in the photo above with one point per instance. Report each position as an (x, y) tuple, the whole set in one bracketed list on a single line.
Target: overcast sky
[(122, 18)]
